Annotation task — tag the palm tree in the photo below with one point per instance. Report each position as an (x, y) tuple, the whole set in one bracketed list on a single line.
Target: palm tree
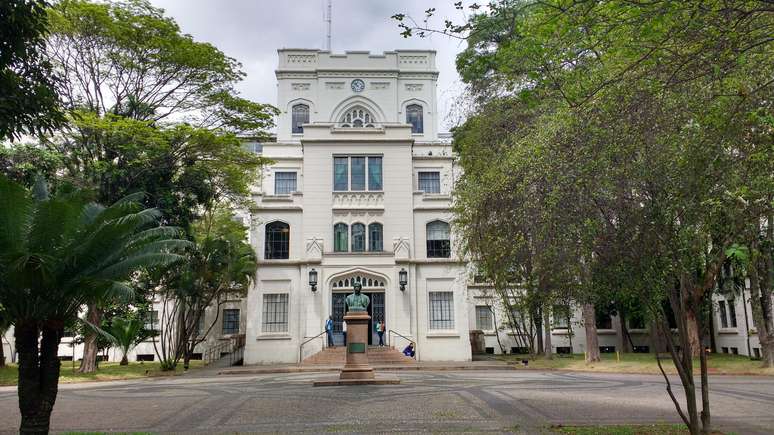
[(57, 254), (125, 334)]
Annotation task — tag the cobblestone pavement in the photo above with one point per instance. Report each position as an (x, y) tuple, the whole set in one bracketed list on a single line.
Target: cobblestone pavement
[(440, 402)]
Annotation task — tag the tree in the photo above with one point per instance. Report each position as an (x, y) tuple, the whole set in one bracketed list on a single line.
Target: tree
[(654, 111), (221, 266), (126, 334), (150, 110), (58, 253), (28, 102)]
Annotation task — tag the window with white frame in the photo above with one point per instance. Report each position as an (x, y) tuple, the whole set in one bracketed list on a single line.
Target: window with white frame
[(284, 183), (357, 173), (300, 117), (414, 117), (340, 237), (561, 314), (484, 318), (429, 182), (358, 237), (151, 320), (441, 310), (275, 312), (230, 321), (731, 306), (357, 117), (438, 241), (375, 237), (723, 314)]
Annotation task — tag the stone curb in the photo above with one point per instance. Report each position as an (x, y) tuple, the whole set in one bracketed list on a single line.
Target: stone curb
[(313, 369)]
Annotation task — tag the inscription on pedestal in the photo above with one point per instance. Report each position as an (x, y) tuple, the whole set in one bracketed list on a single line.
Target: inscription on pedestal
[(356, 347)]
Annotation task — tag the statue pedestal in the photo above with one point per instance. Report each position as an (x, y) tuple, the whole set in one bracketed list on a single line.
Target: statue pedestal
[(357, 366)]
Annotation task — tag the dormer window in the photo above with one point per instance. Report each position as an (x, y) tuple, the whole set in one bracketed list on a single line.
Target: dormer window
[(357, 117), (300, 117)]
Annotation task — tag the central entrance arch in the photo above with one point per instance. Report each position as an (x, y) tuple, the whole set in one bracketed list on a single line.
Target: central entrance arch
[(374, 286)]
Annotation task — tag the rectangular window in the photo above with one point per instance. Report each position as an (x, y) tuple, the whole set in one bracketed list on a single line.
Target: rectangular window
[(230, 321), (341, 173), (275, 312), (484, 318), (430, 182), (561, 316), (374, 173), (441, 310), (151, 319), (604, 320), (284, 183), (358, 173), (731, 313), (725, 350), (723, 315), (735, 351), (757, 352)]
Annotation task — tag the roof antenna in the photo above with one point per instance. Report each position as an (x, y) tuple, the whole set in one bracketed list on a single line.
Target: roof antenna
[(328, 24)]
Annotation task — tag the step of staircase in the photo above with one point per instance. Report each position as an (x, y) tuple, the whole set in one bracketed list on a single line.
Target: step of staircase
[(335, 356)]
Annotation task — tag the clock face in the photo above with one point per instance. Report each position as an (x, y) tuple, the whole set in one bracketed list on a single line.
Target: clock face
[(358, 85)]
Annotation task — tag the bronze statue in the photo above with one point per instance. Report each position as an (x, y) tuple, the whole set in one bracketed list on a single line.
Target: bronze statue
[(357, 301)]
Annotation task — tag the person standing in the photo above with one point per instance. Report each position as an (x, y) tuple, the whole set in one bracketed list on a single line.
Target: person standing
[(344, 330), (380, 330), (329, 330)]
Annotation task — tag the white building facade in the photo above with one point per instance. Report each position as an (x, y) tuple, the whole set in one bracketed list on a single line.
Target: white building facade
[(360, 191)]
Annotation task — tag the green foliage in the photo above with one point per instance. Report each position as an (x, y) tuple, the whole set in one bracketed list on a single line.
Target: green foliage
[(180, 168), (60, 252), (28, 102), (221, 266), (23, 163), (128, 59)]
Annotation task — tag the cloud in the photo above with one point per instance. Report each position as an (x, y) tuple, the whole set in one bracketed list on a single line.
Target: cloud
[(251, 31)]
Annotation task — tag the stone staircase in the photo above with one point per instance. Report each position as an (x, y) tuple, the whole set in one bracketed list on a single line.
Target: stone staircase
[(377, 356)]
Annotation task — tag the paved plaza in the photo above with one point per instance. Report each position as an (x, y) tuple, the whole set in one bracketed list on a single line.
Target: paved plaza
[(432, 401)]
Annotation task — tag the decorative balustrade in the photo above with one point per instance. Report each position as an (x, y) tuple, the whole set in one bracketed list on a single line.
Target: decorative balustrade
[(358, 200)]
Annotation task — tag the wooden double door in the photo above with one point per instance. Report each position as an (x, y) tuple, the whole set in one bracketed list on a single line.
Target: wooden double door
[(375, 310)]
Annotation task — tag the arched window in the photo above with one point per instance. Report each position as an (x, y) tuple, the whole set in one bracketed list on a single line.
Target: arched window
[(375, 239), (438, 243), (277, 241), (300, 117), (358, 237), (340, 238), (357, 117), (414, 117)]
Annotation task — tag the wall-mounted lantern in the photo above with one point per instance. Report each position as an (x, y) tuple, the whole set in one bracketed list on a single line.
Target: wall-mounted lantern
[(403, 279), (313, 279)]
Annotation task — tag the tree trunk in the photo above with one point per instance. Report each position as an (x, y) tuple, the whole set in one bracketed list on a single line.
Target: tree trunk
[(2, 350), (89, 361), (547, 334), (537, 320), (761, 283), (692, 324), (124, 361), (38, 375), (592, 340)]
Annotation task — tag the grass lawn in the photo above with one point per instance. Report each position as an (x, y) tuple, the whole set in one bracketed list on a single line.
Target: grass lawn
[(645, 429), (107, 371), (721, 364)]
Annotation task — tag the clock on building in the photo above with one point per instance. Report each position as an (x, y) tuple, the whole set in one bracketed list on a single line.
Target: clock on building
[(358, 85)]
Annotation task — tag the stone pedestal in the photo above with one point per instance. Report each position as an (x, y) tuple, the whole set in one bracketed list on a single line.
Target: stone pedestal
[(357, 366)]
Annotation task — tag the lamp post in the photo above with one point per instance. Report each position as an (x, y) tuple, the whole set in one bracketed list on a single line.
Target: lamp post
[(403, 279), (313, 279)]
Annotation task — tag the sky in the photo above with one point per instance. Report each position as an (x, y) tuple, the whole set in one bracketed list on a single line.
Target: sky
[(251, 31)]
